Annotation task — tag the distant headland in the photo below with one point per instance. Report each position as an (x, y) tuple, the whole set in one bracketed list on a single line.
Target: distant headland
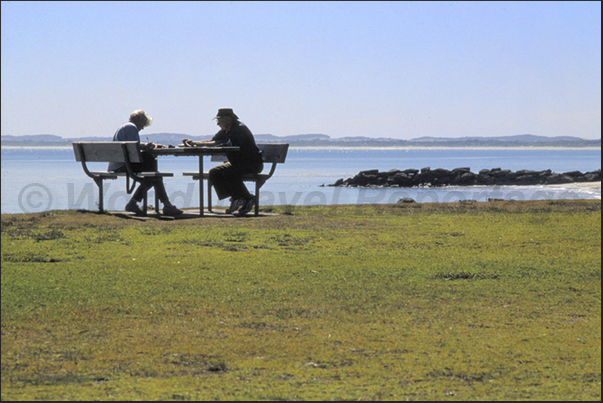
[(323, 140)]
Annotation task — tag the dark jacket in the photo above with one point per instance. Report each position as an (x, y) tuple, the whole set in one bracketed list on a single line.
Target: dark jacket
[(239, 135)]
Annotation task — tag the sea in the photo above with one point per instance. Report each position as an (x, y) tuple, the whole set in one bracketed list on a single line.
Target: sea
[(37, 179)]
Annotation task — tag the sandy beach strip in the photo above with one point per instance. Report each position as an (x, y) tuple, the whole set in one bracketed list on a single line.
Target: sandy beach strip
[(579, 185)]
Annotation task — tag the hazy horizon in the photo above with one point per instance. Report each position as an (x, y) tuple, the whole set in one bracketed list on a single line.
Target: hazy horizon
[(399, 70), (518, 137)]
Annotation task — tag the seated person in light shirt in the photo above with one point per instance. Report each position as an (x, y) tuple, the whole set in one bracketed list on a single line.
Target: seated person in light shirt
[(129, 132)]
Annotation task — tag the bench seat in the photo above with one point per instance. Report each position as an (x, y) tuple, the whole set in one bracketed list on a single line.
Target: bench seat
[(126, 152), (246, 177)]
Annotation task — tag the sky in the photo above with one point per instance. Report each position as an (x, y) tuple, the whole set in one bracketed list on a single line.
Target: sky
[(378, 69)]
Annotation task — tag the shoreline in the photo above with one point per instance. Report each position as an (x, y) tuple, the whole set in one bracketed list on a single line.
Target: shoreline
[(348, 147), (579, 185), (442, 148)]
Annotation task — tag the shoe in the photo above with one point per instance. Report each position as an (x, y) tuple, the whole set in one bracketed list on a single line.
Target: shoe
[(235, 205), (171, 210), (247, 207), (132, 207)]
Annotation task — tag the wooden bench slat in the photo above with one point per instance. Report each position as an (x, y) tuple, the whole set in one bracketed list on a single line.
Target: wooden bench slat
[(152, 174), (108, 173), (106, 151), (246, 177)]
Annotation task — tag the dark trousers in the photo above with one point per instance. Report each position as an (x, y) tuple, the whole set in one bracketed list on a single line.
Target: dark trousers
[(148, 183), (148, 164), (226, 179)]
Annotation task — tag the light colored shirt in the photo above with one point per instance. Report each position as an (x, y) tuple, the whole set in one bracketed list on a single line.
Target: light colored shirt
[(127, 132)]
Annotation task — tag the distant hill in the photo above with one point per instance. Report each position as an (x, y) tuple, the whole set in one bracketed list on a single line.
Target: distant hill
[(520, 138), (44, 140), (294, 138), (323, 140)]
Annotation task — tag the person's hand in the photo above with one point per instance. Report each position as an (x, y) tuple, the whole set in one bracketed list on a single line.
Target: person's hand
[(150, 145)]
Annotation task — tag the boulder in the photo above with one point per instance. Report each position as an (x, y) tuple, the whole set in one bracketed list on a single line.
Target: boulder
[(461, 171), (527, 180), (593, 177), (484, 178), (401, 179), (556, 179)]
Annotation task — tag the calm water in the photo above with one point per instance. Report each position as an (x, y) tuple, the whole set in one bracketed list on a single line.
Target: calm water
[(43, 179)]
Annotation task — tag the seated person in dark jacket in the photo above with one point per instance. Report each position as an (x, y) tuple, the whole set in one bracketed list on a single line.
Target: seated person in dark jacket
[(129, 132), (226, 178)]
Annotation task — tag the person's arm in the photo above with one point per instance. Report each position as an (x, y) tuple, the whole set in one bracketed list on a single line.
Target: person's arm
[(191, 143), (219, 138)]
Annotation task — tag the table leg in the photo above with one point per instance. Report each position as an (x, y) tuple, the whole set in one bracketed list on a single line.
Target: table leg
[(201, 185)]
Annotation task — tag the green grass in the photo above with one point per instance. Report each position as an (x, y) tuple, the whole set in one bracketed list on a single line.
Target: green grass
[(459, 301)]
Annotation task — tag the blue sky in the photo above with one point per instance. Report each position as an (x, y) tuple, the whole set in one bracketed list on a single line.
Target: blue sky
[(377, 69)]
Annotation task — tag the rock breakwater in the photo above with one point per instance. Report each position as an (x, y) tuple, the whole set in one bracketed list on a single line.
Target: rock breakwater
[(427, 177)]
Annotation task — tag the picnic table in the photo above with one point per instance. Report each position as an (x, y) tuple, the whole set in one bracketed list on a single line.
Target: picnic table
[(129, 152), (200, 152)]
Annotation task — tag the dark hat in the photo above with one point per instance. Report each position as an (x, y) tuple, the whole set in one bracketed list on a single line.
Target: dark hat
[(226, 112)]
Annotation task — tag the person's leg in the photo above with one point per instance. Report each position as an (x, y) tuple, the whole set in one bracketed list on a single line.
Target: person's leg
[(157, 183), (168, 207), (240, 191), (142, 189), (148, 164), (226, 180), (137, 197), (132, 205), (250, 200)]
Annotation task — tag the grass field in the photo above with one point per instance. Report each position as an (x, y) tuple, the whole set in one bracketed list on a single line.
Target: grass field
[(459, 301)]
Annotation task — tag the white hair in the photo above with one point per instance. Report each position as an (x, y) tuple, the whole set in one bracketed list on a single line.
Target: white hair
[(140, 118)]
